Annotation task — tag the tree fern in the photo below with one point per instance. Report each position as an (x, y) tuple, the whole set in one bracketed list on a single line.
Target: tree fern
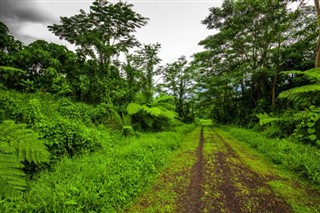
[(298, 93), (133, 108), (155, 112), (267, 119), (163, 98), (305, 122), (313, 74)]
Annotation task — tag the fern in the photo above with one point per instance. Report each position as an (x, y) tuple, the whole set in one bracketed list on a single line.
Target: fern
[(12, 179), (298, 93), (18, 144), (267, 119), (133, 108), (313, 74), (169, 114), (154, 111), (158, 110), (148, 121), (163, 98), (26, 142)]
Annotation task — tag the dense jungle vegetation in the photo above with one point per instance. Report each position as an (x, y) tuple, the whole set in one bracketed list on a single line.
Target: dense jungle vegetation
[(90, 130)]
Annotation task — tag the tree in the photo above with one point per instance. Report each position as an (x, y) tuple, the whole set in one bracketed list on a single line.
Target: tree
[(100, 36), (48, 66), (8, 45), (317, 7), (252, 47), (103, 32), (178, 81)]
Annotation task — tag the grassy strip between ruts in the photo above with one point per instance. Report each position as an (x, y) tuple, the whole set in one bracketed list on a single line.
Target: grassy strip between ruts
[(283, 162), (105, 181), (173, 182)]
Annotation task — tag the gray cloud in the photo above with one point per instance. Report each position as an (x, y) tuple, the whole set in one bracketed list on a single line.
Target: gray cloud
[(24, 11)]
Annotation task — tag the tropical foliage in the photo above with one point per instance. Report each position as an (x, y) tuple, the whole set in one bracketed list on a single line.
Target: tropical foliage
[(89, 130)]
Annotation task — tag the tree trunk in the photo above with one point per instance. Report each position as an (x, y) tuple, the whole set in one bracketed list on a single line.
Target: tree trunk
[(317, 6), (274, 89)]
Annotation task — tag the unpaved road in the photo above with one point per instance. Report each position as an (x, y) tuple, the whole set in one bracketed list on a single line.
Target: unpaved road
[(217, 181)]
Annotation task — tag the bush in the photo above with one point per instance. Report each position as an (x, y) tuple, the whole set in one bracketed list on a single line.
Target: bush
[(66, 127), (66, 137)]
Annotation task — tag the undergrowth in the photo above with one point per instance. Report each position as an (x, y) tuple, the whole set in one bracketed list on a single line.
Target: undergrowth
[(104, 181)]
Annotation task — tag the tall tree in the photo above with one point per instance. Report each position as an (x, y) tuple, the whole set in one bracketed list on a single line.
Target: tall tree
[(101, 35), (144, 62), (178, 81), (317, 6)]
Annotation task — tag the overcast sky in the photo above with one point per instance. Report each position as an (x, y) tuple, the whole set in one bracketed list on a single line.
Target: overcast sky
[(176, 25)]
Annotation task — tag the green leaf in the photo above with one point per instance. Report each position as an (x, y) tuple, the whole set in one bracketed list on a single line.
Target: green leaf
[(313, 137), (133, 108)]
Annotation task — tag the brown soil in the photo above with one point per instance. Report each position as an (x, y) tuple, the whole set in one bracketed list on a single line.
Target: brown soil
[(233, 187), (221, 183), (192, 202)]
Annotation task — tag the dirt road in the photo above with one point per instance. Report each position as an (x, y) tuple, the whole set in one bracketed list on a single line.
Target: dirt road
[(211, 177)]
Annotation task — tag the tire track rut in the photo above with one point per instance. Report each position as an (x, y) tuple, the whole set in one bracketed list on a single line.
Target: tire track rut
[(192, 201)]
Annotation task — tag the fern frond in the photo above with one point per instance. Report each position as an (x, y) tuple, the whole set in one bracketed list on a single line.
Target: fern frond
[(154, 111), (169, 114), (11, 175), (6, 148), (298, 92), (148, 121), (312, 73), (133, 108), (18, 144), (126, 119), (167, 106), (142, 98), (163, 98), (27, 144), (266, 119)]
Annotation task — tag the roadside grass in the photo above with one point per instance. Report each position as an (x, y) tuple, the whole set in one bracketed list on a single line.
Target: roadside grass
[(260, 154), (162, 196), (105, 181)]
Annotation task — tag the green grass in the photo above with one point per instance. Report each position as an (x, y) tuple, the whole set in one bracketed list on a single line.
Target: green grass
[(204, 122), (105, 181), (174, 180), (279, 160)]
